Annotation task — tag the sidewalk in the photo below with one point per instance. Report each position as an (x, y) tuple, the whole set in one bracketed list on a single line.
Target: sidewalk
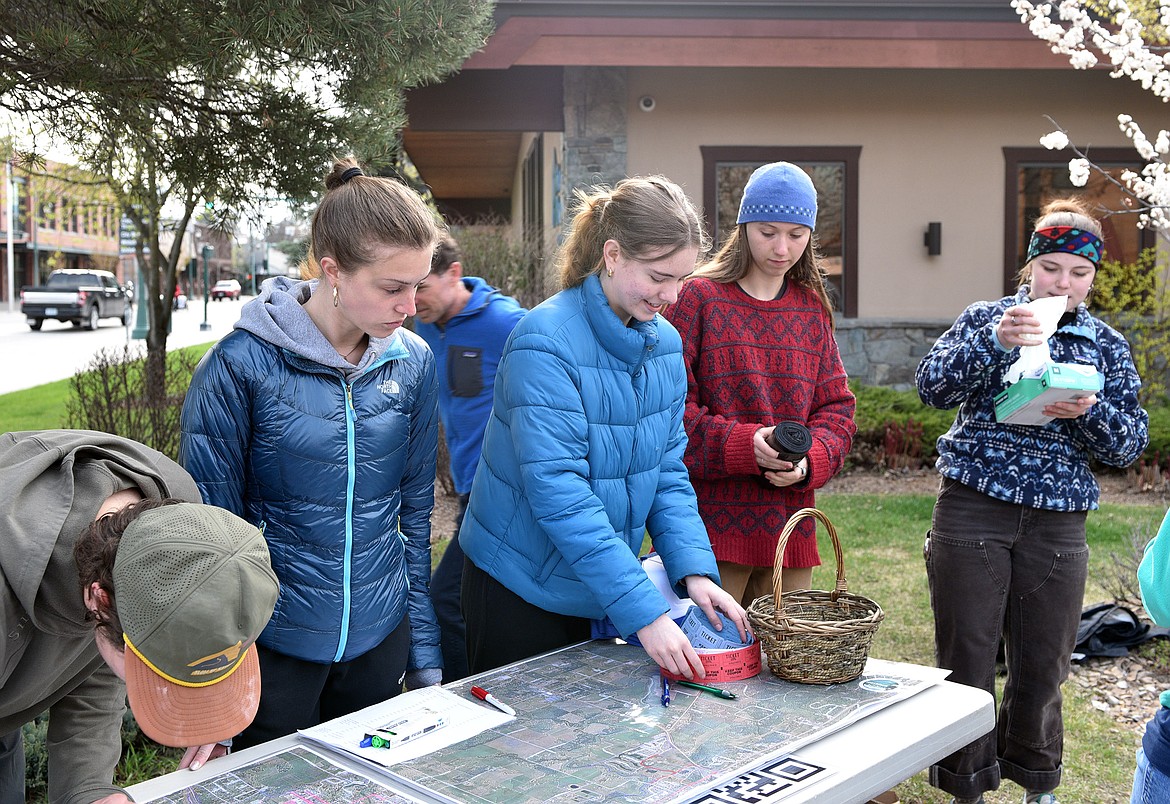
[(59, 350)]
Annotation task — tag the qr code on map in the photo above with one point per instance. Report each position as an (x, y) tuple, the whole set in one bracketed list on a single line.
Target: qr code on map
[(765, 784)]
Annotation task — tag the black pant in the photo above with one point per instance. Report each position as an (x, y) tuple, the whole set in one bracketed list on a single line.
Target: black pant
[(503, 628), (12, 768), (995, 570), (446, 584), (296, 694)]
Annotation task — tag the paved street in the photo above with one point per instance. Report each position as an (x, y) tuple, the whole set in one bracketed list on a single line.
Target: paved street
[(59, 350)]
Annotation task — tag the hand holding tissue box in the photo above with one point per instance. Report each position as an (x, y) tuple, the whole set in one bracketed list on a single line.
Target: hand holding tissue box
[(1035, 381), (1024, 400)]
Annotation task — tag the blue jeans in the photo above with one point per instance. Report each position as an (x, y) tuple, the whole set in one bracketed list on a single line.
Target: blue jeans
[(1150, 785), (995, 570)]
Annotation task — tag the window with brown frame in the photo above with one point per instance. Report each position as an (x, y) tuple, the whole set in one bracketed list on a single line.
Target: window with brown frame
[(1035, 176), (834, 174)]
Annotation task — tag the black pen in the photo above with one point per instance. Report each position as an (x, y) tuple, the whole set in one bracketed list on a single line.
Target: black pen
[(713, 690)]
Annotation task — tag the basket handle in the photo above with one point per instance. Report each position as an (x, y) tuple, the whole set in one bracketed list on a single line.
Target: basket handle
[(778, 563)]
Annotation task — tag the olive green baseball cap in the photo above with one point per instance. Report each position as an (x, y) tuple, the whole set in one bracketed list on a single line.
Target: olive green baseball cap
[(194, 588)]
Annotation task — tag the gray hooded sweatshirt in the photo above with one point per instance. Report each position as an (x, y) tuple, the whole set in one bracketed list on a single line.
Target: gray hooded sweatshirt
[(52, 484), (278, 316)]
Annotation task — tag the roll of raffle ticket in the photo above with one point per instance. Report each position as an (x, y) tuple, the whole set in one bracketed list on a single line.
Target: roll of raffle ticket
[(724, 655)]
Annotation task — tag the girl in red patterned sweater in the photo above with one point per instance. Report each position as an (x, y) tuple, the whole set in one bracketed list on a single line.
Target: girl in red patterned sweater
[(757, 329)]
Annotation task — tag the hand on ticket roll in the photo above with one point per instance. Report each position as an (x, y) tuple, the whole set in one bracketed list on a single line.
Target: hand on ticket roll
[(709, 596), (667, 645)]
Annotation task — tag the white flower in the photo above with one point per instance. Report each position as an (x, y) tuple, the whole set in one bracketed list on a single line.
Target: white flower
[(1055, 141), (1078, 172)]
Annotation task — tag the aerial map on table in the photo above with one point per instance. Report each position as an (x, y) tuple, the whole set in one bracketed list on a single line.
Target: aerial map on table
[(590, 725), (295, 776)]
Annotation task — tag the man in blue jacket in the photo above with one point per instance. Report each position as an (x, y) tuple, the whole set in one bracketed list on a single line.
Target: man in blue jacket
[(466, 322)]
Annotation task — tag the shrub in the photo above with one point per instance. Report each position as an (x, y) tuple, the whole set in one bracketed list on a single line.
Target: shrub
[(1159, 448), (36, 759), (510, 263), (110, 395), (895, 429), (1132, 299), (1119, 575)]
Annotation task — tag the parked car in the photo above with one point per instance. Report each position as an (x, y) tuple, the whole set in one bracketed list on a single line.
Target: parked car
[(225, 289), (82, 297)]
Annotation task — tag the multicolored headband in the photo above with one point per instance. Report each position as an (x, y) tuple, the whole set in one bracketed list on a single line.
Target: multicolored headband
[(1068, 239)]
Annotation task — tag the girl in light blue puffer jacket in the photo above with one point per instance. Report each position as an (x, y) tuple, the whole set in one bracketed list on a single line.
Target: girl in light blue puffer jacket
[(583, 452)]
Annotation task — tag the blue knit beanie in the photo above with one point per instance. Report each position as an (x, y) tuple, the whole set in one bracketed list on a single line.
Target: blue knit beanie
[(781, 193)]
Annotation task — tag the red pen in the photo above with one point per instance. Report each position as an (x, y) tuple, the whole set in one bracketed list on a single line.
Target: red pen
[(484, 695)]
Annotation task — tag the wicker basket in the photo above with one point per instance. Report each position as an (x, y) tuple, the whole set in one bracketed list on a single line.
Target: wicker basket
[(814, 637)]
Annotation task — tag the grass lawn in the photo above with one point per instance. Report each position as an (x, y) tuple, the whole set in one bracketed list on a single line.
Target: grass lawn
[(39, 408), (43, 407)]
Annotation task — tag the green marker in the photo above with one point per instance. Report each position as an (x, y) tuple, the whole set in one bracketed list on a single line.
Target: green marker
[(713, 690)]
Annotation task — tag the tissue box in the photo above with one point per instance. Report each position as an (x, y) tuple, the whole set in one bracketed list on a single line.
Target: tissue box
[(1023, 401)]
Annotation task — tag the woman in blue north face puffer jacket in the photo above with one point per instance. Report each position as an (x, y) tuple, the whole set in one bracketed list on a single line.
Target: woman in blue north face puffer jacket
[(317, 419), (583, 451)]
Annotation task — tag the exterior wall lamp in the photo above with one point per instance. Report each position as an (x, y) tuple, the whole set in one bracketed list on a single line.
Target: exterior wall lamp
[(933, 238)]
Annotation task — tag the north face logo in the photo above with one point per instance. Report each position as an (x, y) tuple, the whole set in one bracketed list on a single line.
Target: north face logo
[(389, 387)]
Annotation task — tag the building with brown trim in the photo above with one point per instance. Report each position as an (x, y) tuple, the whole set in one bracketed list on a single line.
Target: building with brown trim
[(908, 113)]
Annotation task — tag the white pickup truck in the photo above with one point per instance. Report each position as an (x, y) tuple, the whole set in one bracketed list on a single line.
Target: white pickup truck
[(80, 296)]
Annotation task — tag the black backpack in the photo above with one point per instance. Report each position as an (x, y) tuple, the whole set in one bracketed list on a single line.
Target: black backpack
[(1108, 629)]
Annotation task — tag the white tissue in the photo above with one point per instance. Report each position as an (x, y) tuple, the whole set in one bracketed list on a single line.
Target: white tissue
[(1033, 359)]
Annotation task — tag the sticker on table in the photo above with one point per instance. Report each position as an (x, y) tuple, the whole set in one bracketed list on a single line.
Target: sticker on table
[(880, 684)]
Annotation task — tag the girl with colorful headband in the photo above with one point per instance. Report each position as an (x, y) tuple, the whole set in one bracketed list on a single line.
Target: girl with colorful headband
[(1006, 556)]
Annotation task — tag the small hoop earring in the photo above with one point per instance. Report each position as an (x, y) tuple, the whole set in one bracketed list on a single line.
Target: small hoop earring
[(609, 272), (335, 302)]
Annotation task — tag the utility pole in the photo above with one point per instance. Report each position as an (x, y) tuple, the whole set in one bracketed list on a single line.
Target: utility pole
[(8, 203), (252, 259)]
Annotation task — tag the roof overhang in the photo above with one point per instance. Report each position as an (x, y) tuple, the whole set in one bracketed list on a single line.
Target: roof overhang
[(464, 133)]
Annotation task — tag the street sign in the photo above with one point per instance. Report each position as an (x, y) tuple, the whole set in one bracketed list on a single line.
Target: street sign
[(127, 237)]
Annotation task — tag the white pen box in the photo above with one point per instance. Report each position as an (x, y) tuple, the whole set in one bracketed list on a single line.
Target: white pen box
[(1023, 401)]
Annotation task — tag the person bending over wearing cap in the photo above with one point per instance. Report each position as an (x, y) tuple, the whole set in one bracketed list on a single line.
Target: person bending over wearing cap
[(100, 529)]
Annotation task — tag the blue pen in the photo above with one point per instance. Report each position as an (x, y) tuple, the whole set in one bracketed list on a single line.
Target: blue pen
[(665, 691)]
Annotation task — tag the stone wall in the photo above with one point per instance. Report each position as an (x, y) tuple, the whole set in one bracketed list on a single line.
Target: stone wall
[(885, 351), (595, 127)]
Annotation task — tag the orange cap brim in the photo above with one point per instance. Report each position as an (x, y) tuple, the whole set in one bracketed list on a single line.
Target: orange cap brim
[(180, 716)]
